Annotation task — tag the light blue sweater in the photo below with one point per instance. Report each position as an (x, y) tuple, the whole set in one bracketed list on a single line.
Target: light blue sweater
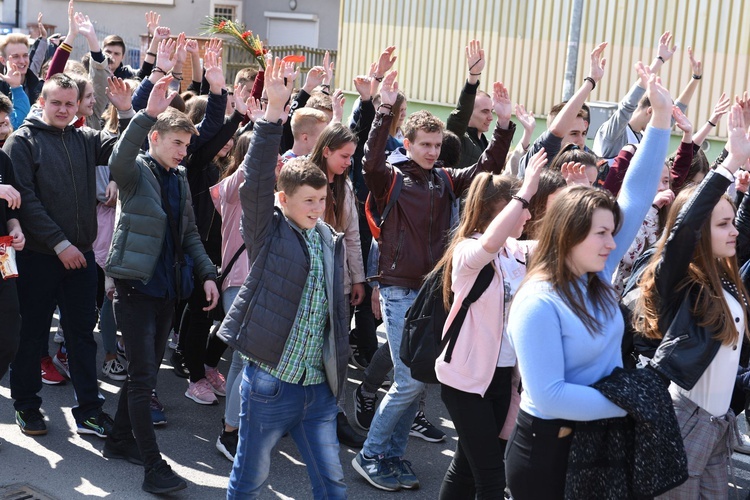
[(558, 357)]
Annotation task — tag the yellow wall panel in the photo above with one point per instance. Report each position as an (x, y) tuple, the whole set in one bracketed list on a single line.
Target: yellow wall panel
[(526, 45)]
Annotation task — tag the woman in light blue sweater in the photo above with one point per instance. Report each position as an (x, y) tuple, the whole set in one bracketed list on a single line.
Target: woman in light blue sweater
[(565, 323)]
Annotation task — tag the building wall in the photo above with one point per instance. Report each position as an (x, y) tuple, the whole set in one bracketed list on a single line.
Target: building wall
[(526, 43), (327, 12), (124, 19)]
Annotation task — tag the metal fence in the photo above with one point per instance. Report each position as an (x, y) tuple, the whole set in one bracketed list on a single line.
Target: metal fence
[(132, 46), (236, 58)]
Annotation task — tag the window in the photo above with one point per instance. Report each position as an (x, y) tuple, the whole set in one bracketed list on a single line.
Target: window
[(227, 9)]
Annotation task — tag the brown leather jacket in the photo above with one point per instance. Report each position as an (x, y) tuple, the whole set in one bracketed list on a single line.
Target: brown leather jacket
[(414, 235)]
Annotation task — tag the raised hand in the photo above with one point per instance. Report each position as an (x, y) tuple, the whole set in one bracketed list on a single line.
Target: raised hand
[(338, 100), (241, 94), (191, 46), (165, 59), (501, 104), (389, 92), (214, 72), (533, 172), (314, 78), (255, 109), (40, 25), (72, 25), (328, 68), (598, 62), (385, 62), (290, 71), (744, 103), (695, 65), (742, 181), (661, 103), (160, 97), (162, 33), (278, 89), (152, 21), (526, 118), (663, 49), (721, 108), (180, 52), (574, 174), (362, 84), (681, 120), (85, 26), (738, 143), (213, 46), (475, 60), (119, 93), (664, 198)]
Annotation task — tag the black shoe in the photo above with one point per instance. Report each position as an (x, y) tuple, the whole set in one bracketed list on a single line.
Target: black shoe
[(178, 364), (122, 449), (31, 422), (357, 360), (347, 436), (161, 479), (226, 443), (364, 408), (99, 425)]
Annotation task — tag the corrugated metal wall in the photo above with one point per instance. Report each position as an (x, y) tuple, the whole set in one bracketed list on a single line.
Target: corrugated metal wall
[(526, 43)]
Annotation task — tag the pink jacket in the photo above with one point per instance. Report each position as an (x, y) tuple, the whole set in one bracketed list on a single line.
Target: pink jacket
[(478, 346), (226, 198)]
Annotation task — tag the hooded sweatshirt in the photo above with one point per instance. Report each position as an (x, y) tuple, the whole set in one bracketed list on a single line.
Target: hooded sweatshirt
[(55, 172)]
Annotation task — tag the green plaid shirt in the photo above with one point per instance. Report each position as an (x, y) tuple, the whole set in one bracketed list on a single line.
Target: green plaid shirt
[(303, 352)]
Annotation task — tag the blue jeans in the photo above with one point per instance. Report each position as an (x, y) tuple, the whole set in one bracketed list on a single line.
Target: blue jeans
[(270, 409), (389, 431), (43, 282)]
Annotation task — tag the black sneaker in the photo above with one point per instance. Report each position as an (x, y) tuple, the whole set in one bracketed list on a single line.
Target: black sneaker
[(378, 471), (226, 443), (160, 479), (404, 474), (99, 425), (422, 428), (364, 408), (122, 449), (178, 364), (358, 360), (346, 434), (31, 422)]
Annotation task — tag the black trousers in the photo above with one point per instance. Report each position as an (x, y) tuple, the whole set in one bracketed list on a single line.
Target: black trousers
[(477, 467), (536, 460), (10, 321)]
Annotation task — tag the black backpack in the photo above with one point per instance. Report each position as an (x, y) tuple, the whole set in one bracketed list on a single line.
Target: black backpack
[(421, 343)]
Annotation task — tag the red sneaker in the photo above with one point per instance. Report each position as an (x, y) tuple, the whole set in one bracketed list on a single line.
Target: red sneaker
[(61, 361), (50, 375)]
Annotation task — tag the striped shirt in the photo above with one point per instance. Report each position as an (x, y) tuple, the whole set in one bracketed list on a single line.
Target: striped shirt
[(302, 360)]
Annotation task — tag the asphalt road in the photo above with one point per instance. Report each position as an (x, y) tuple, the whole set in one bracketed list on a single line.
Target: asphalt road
[(64, 465)]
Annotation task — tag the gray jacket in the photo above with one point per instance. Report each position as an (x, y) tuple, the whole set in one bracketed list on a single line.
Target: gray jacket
[(262, 315), (141, 223), (55, 172)]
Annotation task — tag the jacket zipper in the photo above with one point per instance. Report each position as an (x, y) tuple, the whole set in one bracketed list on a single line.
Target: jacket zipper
[(75, 188), (210, 224), (398, 249), (432, 209)]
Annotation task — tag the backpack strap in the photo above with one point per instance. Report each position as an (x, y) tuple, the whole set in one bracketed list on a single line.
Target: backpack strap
[(393, 192), (224, 272), (448, 181), (480, 285)]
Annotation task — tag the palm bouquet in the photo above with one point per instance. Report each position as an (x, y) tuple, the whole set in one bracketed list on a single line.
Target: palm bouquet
[(250, 42)]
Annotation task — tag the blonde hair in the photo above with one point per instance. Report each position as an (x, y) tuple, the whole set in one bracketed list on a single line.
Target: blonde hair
[(304, 121)]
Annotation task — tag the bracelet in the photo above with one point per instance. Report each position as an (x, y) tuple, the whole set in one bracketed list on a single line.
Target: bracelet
[(178, 78), (591, 81), (475, 74), (325, 85), (523, 201), (157, 69), (654, 205), (661, 59), (378, 78), (388, 107), (697, 77), (176, 73), (150, 54), (711, 123)]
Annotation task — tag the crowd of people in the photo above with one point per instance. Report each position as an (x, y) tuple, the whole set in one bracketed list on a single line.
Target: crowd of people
[(606, 353)]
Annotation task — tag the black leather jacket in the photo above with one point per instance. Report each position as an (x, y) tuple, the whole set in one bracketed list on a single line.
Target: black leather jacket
[(687, 348)]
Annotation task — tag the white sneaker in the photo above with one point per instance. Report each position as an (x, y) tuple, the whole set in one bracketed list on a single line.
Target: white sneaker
[(114, 370), (743, 446)]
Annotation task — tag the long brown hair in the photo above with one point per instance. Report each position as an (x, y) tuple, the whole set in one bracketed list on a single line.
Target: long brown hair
[(334, 137), (488, 195), (549, 182), (566, 224), (710, 309), (241, 145)]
